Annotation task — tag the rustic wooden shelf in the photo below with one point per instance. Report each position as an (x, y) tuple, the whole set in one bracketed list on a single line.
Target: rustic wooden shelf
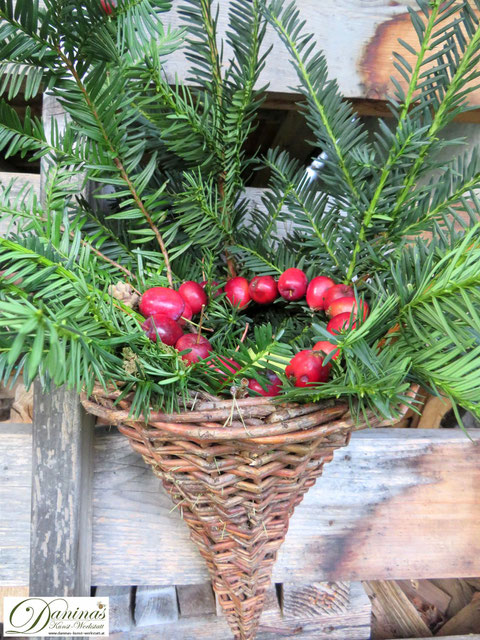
[(396, 504)]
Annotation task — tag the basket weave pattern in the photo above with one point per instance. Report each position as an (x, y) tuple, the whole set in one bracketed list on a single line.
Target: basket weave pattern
[(237, 469)]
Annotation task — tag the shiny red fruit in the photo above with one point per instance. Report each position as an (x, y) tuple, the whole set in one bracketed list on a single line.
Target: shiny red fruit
[(263, 289), (340, 323), (108, 6), (237, 291), (194, 294), (292, 284), (199, 347), (347, 305), (187, 314), (326, 347), (316, 291), (273, 388), (306, 368), (337, 291), (161, 300), (163, 327)]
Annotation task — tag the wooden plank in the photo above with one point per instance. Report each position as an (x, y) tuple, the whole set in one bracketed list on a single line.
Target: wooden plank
[(399, 612), (427, 592), (195, 599), (460, 592), (60, 542), (365, 33), (120, 606), (314, 600), (155, 605), (388, 488), (396, 504), (467, 620), (15, 492), (313, 606), (434, 410), (62, 464), (336, 626)]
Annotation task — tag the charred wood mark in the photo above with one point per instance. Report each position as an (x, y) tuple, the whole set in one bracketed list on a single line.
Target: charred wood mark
[(375, 66), (409, 501)]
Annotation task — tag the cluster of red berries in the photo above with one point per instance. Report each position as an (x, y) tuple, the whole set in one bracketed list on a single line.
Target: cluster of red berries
[(167, 311), (322, 294), (338, 301)]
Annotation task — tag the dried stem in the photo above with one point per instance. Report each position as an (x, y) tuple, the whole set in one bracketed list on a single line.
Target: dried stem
[(244, 335), (199, 332)]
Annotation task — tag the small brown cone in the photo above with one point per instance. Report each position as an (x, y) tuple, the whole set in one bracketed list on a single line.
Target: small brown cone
[(125, 293)]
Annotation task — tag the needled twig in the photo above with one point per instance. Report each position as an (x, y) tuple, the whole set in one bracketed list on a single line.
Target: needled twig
[(119, 165)]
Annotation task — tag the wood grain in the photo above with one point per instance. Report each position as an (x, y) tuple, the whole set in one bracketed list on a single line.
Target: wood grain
[(426, 592), (155, 605), (396, 504), (61, 525), (401, 616), (120, 606), (357, 37), (15, 492), (62, 468), (467, 620), (195, 599), (352, 623)]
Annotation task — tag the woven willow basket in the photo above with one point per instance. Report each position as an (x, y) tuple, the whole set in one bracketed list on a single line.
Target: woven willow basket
[(239, 468)]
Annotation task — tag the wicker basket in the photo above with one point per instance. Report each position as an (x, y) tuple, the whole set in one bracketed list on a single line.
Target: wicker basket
[(238, 469)]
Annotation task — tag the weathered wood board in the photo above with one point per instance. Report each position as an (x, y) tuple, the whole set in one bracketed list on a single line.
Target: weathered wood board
[(20, 181), (396, 504), (357, 36), (15, 492), (62, 469), (349, 617)]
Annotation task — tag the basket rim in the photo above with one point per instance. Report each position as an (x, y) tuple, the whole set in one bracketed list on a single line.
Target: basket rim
[(261, 420)]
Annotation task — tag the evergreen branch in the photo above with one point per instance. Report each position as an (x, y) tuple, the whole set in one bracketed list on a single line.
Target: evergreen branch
[(290, 18), (65, 273), (454, 199), (261, 258), (398, 147), (294, 191), (440, 118), (118, 164), (211, 32)]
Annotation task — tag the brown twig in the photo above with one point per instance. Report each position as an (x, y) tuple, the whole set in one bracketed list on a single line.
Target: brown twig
[(195, 324), (382, 342), (244, 335), (97, 252), (120, 166), (199, 332), (228, 257)]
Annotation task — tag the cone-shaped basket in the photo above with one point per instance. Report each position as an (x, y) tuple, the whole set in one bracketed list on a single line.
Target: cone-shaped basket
[(238, 469)]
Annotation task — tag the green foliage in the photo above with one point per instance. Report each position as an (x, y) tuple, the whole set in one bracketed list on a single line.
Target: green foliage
[(145, 183)]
